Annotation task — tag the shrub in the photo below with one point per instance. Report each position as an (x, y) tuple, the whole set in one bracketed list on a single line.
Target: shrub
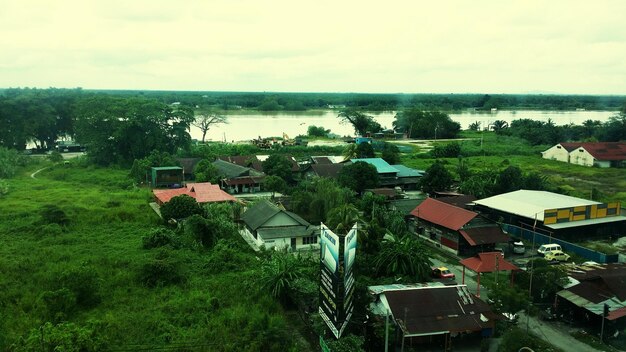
[(52, 214), (84, 283), (64, 337), (57, 305), (4, 188), (158, 238), (180, 207), (55, 157), (161, 271)]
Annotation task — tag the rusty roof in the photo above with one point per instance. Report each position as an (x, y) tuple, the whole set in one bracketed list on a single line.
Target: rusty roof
[(443, 214), (438, 310), (484, 235), (600, 150), (487, 262)]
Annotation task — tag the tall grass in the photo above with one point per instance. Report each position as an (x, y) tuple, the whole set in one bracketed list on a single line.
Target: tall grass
[(107, 216)]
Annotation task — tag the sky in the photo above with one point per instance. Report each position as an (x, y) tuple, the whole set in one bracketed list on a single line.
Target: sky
[(477, 46)]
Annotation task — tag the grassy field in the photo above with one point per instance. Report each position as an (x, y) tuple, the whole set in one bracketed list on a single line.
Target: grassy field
[(97, 252), (499, 152)]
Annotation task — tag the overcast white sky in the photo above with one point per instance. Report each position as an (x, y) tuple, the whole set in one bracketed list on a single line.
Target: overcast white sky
[(555, 46)]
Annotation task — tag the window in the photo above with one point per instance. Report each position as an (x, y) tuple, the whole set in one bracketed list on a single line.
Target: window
[(558, 147), (309, 240)]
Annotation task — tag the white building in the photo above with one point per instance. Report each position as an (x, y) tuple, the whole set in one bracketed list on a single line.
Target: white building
[(599, 154)]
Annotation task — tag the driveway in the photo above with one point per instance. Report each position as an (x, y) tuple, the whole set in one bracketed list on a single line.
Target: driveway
[(550, 333)]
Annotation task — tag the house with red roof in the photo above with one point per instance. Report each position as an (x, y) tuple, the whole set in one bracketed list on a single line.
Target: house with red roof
[(600, 154), (204, 192), (461, 231)]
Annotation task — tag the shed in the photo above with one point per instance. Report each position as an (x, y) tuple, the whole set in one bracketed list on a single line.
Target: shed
[(167, 176), (487, 262)]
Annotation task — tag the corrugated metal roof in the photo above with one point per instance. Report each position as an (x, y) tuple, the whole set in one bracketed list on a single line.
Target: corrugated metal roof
[(528, 203), (436, 310), (596, 221), (404, 171), (484, 235), (381, 165), (613, 151), (443, 214), (264, 210), (488, 262)]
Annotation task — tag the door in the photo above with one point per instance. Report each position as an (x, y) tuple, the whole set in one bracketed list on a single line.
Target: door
[(293, 243)]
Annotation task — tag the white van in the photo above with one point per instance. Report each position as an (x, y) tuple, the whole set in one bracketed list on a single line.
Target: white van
[(544, 248), (518, 247)]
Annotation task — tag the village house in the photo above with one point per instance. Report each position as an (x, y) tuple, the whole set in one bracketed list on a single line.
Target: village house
[(432, 313), (273, 227), (455, 229), (204, 192), (238, 179), (599, 154)]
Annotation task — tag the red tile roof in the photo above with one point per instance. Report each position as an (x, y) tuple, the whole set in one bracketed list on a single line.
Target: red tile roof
[(203, 193), (600, 150), (443, 214), (486, 263)]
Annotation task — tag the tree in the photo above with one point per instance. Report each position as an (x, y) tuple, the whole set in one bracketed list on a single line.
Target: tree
[(510, 179), (315, 131), (180, 207), (437, 178), (417, 123), (205, 119), (499, 126), (120, 130), (274, 184), (205, 171), (358, 176), (342, 218), (361, 123), (391, 153), (474, 126), (365, 150), (279, 273), (480, 185), (403, 256), (448, 150), (278, 165), (350, 151)]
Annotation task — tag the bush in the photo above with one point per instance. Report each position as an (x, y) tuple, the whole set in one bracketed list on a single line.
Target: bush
[(84, 283), (450, 150), (52, 214), (55, 157), (158, 238), (161, 271), (68, 337), (57, 305), (180, 207), (4, 188)]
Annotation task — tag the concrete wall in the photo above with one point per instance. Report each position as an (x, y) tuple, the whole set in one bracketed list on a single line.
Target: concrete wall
[(580, 156), (557, 152)]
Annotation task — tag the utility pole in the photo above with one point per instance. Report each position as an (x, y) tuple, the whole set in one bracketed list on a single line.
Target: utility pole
[(605, 313), (387, 331)]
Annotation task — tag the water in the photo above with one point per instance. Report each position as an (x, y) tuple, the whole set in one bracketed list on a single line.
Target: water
[(250, 126)]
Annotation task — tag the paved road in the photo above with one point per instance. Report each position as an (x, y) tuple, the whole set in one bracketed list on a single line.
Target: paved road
[(550, 333)]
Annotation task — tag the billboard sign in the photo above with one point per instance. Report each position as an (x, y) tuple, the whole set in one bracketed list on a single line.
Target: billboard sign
[(337, 254)]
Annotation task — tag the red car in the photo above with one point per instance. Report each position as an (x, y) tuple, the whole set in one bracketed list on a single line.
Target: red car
[(443, 273)]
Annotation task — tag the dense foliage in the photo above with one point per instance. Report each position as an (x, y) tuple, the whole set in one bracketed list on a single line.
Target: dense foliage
[(417, 123)]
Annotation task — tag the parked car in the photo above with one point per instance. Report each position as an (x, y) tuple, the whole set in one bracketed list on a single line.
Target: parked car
[(556, 256), (518, 247), (544, 248), (442, 273)]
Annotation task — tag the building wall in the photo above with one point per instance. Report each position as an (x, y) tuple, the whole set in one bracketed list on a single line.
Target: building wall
[(557, 152), (580, 156)]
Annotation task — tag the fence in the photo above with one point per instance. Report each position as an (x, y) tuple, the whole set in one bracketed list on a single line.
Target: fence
[(532, 236)]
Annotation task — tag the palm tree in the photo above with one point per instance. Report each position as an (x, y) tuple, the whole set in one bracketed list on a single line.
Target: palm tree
[(343, 217), (350, 152), (404, 256), (279, 273)]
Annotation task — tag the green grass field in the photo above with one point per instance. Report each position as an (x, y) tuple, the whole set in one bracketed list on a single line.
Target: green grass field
[(499, 152), (214, 304)]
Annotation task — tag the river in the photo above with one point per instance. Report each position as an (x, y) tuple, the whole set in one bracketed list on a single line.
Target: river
[(249, 126)]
